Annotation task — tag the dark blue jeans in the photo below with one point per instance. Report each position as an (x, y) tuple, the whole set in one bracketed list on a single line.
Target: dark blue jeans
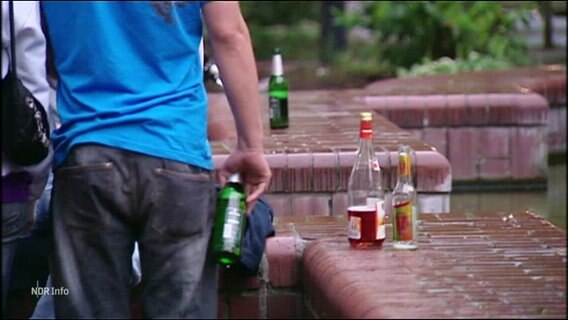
[(15, 217), (103, 200)]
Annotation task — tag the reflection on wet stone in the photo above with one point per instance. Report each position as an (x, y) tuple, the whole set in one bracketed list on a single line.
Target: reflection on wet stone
[(511, 221)]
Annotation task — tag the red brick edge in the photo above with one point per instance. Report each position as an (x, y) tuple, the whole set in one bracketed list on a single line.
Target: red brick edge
[(456, 110)]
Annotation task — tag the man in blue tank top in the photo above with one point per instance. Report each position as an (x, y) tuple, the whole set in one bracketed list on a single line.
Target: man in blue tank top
[(131, 158)]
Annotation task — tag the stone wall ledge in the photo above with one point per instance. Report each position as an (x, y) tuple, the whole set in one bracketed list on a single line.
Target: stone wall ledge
[(329, 172), (486, 137), (462, 110), (311, 160), (467, 266), (548, 81)]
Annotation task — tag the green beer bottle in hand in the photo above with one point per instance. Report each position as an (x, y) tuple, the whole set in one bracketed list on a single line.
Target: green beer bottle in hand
[(230, 222)]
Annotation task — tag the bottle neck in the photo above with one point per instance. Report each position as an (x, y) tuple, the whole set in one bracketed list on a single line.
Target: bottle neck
[(365, 147), (277, 69), (234, 178), (366, 138), (404, 168)]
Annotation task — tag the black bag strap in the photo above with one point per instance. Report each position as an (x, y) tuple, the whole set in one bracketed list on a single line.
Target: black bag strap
[(12, 65)]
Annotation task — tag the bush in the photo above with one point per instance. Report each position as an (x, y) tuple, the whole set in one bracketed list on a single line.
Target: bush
[(445, 65), (411, 32), (296, 42), (290, 25), (271, 13)]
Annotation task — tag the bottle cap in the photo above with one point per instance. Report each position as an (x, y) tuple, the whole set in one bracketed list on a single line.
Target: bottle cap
[(234, 177), (366, 116), (277, 68), (366, 126)]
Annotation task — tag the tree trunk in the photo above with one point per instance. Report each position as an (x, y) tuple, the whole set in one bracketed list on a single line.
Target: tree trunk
[(333, 37), (546, 14)]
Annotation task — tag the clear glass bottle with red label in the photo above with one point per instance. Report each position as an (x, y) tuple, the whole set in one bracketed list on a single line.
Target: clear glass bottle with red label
[(404, 204), (365, 211)]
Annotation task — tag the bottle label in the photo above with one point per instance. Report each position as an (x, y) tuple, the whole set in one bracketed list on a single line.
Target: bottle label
[(232, 224), (276, 107), (354, 228), (375, 165), (403, 222), (381, 232)]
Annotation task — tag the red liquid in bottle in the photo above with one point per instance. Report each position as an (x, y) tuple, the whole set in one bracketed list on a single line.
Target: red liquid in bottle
[(362, 227)]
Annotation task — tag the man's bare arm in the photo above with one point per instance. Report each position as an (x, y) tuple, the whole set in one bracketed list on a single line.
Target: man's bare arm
[(233, 52)]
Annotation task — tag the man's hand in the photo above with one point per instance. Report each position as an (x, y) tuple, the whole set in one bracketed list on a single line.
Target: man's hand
[(254, 172)]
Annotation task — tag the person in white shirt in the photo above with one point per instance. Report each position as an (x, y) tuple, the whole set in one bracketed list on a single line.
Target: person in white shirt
[(22, 186)]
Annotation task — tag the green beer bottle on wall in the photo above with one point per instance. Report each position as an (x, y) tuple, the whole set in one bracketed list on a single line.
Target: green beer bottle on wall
[(230, 222), (278, 94)]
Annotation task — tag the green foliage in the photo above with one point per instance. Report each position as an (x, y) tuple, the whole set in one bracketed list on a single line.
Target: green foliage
[(297, 42), (290, 25), (363, 59), (405, 37), (410, 32), (270, 13), (445, 65)]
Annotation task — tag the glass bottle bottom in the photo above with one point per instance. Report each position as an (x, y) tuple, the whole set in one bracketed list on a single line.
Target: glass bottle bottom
[(358, 244), (279, 125), (226, 258), (405, 245)]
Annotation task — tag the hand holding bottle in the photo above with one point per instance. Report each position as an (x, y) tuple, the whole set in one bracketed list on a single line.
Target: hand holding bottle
[(254, 170), (230, 222)]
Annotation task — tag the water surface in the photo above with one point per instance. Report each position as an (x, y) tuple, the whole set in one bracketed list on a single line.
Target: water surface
[(550, 203)]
